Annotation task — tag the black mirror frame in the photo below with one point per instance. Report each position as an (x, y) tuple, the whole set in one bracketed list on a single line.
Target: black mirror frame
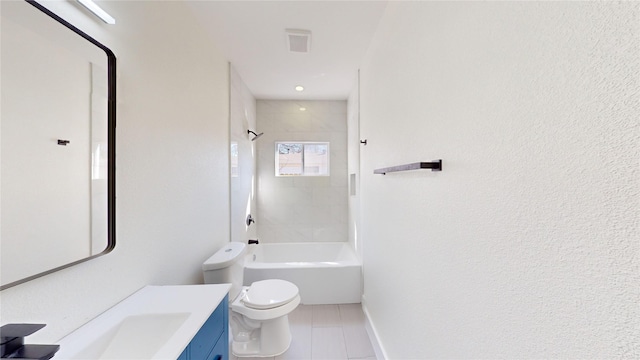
[(111, 147)]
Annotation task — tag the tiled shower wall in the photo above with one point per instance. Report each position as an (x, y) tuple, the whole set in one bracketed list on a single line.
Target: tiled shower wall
[(302, 209), (243, 164)]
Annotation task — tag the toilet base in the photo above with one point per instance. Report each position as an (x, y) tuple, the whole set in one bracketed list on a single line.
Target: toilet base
[(272, 338)]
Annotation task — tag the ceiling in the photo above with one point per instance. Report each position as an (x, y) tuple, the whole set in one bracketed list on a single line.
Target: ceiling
[(251, 34)]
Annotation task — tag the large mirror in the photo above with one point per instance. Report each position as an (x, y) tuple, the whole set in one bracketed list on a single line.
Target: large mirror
[(57, 144)]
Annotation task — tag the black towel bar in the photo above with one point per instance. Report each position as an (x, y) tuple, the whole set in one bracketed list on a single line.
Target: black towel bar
[(435, 165)]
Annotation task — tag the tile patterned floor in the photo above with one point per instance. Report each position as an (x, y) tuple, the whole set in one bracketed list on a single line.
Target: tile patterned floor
[(327, 332)]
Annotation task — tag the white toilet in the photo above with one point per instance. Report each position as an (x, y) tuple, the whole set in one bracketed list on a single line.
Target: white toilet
[(258, 313)]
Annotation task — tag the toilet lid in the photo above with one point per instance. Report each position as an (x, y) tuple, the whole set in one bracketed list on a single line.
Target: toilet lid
[(267, 294)]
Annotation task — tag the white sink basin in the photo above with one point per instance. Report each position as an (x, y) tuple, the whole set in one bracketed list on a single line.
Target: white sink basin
[(156, 322), (135, 337)]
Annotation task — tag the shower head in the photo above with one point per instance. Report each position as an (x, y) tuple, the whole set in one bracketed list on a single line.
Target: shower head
[(254, 134)]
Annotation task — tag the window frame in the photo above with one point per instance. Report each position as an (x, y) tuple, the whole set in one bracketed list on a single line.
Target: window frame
[(303, 143)]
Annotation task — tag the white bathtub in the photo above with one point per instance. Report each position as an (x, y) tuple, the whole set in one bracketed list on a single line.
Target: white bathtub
[(325, 273)]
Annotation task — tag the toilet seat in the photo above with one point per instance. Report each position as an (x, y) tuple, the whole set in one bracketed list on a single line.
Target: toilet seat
[(288, 300), (269, 294)]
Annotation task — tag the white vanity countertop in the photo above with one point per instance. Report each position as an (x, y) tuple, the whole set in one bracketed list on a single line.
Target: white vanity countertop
[(191, 305)]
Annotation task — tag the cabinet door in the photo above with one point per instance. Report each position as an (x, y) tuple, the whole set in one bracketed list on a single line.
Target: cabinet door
[(213, 338), (185, 354), (221, 350)]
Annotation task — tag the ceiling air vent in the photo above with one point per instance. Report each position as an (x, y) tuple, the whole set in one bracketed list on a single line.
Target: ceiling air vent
[(298, 41)]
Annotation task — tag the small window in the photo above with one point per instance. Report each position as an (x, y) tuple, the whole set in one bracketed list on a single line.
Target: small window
[(302, 159)]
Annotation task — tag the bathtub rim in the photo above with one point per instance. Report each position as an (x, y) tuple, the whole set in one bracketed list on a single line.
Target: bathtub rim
[(351, 261)]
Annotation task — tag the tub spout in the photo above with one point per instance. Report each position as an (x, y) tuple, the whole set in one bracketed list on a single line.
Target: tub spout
[(254, 242)]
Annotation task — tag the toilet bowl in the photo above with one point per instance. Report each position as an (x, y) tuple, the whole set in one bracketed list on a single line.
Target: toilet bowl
[(258, 314), (259, 318)]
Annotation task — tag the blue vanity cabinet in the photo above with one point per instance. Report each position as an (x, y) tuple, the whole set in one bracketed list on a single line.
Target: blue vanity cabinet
[(212, 340)]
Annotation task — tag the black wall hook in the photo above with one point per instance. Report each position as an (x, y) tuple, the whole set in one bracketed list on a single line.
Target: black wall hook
[(363, 142)]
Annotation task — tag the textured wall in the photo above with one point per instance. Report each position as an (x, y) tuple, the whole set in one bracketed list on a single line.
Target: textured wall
[(300, 209), (172, 168), (526, 244)]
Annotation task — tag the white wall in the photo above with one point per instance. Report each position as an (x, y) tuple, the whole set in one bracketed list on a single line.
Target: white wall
[(243, 177), (172, 167), (526, 244), (353, 165), (309, 208)]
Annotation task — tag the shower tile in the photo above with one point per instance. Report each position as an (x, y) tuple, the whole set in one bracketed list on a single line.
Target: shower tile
[(326, 316), (295, 234), (329, 234), (268, 234), (292, 196), (303, 215), (321, 181), (322, 196), (292, 107), (295, 122), (337, 233), (329, 195), (328, 123), (339, 213), (331, 107), (328, 343), (264, 120), (338, 175), (270, 106), (277, 213), (322, 215), (339, 194)]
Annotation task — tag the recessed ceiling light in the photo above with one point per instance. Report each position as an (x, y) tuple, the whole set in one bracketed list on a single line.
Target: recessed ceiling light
[(299, 88), (303, 109)]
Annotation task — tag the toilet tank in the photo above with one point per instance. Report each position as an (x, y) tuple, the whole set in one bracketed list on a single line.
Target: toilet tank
[(226, 266)]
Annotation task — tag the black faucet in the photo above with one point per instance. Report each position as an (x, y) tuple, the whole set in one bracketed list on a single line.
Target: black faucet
[(254, 242), (12, 343)]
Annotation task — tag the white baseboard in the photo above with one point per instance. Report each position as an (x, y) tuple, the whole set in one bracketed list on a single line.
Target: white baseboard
[(381, 354)]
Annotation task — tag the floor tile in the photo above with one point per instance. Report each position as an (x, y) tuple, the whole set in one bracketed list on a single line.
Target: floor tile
[(300, 348), (233, 357), (326, 316), (357, 342), (326, 332), (351, 314), (302, 315), (328, 344)]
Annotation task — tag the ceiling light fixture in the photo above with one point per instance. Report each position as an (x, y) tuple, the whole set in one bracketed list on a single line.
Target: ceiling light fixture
[(97, 10), (303, 109), (299, 88)]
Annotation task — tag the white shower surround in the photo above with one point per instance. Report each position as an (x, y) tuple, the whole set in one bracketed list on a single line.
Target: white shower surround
[(302, 208)]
